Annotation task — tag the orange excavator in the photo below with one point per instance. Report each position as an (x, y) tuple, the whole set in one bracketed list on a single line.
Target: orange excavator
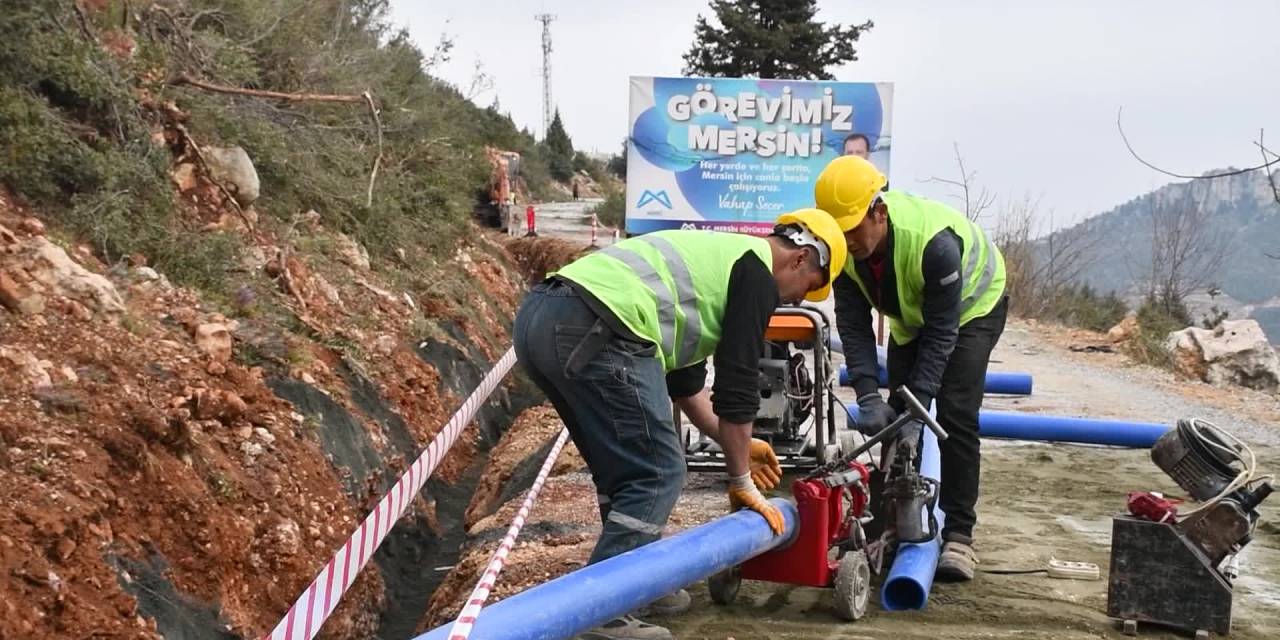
[(504, 187)]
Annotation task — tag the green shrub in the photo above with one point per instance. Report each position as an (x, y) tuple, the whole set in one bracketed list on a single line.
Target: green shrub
[(1080, 306), (1156, 320), (612, 212)]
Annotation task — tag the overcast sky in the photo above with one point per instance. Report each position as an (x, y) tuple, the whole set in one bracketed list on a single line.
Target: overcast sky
[(1029, 90)]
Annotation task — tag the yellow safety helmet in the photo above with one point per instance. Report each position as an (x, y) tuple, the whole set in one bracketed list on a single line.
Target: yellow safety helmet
[(846, 188), (814, 228)]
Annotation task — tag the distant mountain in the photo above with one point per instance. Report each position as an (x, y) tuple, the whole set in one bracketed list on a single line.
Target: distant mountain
[(1242, 207)]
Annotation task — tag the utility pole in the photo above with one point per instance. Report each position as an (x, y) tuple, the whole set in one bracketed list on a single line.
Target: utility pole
[(547, 109)]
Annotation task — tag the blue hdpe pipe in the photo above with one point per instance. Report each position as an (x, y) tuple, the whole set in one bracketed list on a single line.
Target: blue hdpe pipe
[(1002, 382), (911, 576), (1030, 426), (1042, 428), (595, 594)]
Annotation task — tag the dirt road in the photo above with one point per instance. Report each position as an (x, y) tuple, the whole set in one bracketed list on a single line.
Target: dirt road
[(566, 220), (1039, 501)]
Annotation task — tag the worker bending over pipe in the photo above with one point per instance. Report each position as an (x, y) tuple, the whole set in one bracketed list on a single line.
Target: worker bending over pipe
[(604, 340), (940, 281)]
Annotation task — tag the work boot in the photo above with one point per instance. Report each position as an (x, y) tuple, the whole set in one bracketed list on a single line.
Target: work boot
[(627, 628), (957, 562), (671, 604)]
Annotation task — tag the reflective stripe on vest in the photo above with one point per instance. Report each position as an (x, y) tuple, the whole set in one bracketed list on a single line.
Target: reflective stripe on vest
[(988, 270), (684, 296), (669, 288)]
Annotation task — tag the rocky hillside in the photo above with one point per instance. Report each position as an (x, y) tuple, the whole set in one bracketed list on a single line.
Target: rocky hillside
[(1242, 208), (177, 470), (239, 292)]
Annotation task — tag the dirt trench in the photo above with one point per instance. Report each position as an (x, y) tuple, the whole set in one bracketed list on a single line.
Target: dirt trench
[(413, 559)]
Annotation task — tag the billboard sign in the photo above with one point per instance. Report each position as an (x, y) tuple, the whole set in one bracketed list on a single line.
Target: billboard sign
[(732, 154)]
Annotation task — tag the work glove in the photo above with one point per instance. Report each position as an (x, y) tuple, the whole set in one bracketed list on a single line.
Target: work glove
[(765, 470), (743, 493), (874, 414)]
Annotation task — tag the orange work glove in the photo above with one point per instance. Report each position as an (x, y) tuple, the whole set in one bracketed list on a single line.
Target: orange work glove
[(743, 493), (765, 470)]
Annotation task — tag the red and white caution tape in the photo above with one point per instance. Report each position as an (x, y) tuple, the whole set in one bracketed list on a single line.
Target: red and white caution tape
[(318, 601), (466, 620)]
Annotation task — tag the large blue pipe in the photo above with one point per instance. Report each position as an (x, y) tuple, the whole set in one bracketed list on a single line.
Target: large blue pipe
[(1001, 382), (595, 594), (1031, 426), (1038, 427), (911, 576)]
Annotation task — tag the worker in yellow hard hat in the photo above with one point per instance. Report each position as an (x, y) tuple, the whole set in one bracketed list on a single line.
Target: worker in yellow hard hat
[(617, 335), (940, 280)]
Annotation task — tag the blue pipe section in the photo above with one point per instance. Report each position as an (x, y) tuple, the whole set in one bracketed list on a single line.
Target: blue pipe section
[(911, 576), (1042, 428), (1030, 426), (1001, 382), (595, 594), (838, 347)]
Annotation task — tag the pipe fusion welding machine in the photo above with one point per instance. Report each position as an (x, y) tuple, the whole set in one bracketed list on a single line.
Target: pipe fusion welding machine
[(1177, 569)]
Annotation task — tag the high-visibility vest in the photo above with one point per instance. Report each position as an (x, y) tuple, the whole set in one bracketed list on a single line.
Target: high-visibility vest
[(915, 221), (669, 287)]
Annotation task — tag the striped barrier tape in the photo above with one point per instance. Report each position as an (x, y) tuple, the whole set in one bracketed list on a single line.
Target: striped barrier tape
[(467, 618), (317, 602)]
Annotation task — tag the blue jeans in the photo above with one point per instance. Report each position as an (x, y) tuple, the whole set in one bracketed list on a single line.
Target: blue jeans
[(611, 393)]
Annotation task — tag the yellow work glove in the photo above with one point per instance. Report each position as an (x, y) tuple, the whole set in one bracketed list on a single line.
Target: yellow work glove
[(743, 493), (765, 470)]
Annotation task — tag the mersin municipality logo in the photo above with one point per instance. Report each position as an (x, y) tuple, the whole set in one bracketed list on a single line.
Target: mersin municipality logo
[(659, 197)]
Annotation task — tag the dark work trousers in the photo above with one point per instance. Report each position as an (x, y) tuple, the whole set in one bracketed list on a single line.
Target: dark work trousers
[(612, 395), (957, 403)]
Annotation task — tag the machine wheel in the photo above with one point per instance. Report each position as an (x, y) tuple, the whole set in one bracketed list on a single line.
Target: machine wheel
[(853, 585), (724, 585)]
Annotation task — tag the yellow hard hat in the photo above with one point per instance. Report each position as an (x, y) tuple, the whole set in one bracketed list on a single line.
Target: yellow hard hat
[(819, 231), (846, 188)]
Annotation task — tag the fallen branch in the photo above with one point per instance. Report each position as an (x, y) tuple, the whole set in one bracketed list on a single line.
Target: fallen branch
[(366, 98), (83, 22), (377, 161), (187, 80)]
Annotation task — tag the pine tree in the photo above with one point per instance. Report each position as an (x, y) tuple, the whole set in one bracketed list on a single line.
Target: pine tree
[(770, 39), (559, 150)]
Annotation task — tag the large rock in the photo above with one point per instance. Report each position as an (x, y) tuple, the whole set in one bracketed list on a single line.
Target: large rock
[(233, 169), (35, 370), (1235, 353), (35, 269), (214, 339), (1125, 329)]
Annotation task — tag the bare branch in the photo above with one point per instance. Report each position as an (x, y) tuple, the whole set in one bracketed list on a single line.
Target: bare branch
[(377, 161), (975, 201), (271, 29), (208, 174), (1261, 144), (83, 22), (480, 81), (1179, 175)]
